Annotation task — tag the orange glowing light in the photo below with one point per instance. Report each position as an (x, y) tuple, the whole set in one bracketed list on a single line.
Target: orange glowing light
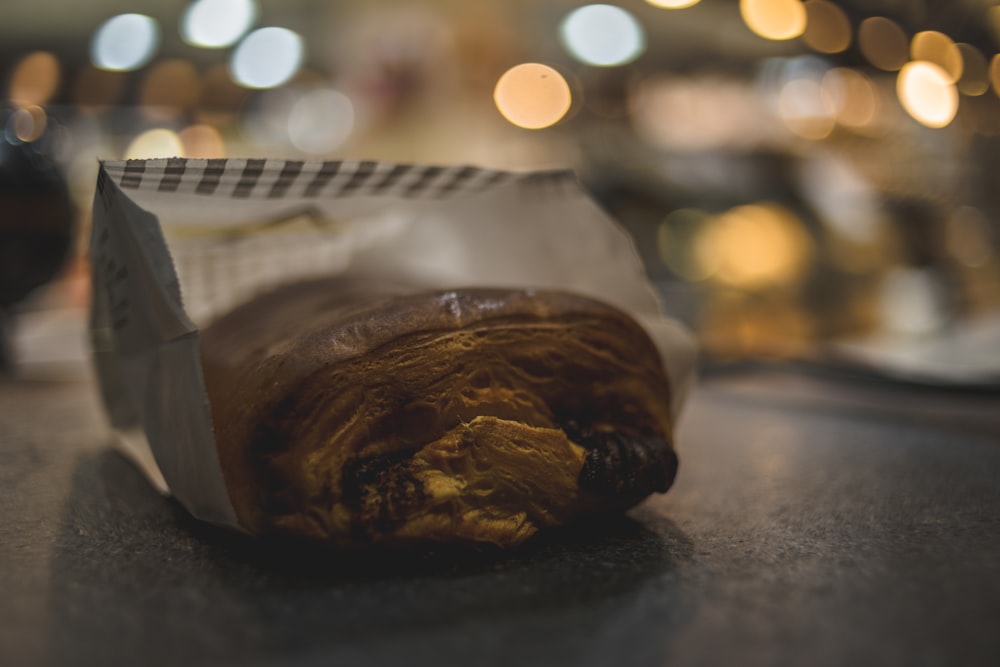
[(754, 246), (532, 96), (938, 48), (202, 141), (883, 43), (995, 73), (35, 79), (856, 98), (774, 19), (827, 28)]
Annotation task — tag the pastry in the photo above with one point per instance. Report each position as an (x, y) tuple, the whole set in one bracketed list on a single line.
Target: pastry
[(361, 413)]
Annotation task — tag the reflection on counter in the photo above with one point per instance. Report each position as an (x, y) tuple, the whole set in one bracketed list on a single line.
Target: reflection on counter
[(797, 175)]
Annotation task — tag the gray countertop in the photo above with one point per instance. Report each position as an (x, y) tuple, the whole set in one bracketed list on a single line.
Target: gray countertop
[(815, 521)]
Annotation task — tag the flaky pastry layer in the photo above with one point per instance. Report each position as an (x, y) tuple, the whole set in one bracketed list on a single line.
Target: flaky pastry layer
[(479, 415)]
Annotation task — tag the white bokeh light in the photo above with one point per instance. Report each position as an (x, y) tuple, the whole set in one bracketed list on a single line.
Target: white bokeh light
[(155, 143), (603, 35), (267, 57), (673, 4), (320, 121), (215, 24), (125, 42), (927, 93)]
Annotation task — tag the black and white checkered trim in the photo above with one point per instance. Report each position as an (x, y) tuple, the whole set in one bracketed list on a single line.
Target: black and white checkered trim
[(243, 178)]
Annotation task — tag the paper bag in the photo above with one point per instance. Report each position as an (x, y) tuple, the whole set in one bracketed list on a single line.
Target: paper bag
[(176, 242)]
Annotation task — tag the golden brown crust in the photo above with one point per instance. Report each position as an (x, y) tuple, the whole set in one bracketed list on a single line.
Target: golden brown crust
[(479, 415)]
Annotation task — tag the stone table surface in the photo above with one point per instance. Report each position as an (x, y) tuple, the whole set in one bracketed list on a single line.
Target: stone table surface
[(815, 521)]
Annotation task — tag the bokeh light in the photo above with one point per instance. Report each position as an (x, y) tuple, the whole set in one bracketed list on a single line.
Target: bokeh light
[(267, 57), (673, 4), (27, 124), (700, 113), (975, 79), (532, 95), (855, 97), (774, 19), (754, 246), (202, 141), (995, 73), (806, 108), (927, 93), (602, 35), (35, 79), (320, 121), (155, 143), (125, 42), (828, 29), (938, 48), (883, 43), (215, 24)]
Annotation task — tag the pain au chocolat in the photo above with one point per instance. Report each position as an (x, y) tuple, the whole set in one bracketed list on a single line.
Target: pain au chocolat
[(359, 415)]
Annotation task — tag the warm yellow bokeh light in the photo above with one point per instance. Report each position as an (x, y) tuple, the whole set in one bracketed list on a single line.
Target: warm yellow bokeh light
[(975, 79), (34, 79), (774, 19), (532, 96), (202, 141), (699, 113), (673, 4), (827, 28), (938, 48), (883, 43), (855, 97), (995, 73), (806, 109), (755, 246), (927, 93), (155, 143)]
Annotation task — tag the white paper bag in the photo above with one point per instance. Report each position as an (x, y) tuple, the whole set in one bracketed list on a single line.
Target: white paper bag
[(176, 242)]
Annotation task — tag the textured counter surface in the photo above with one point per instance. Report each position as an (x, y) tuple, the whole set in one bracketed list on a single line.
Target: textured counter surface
[(813, 522)]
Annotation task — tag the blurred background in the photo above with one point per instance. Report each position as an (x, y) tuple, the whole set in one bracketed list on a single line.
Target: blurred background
[(805, 180)]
